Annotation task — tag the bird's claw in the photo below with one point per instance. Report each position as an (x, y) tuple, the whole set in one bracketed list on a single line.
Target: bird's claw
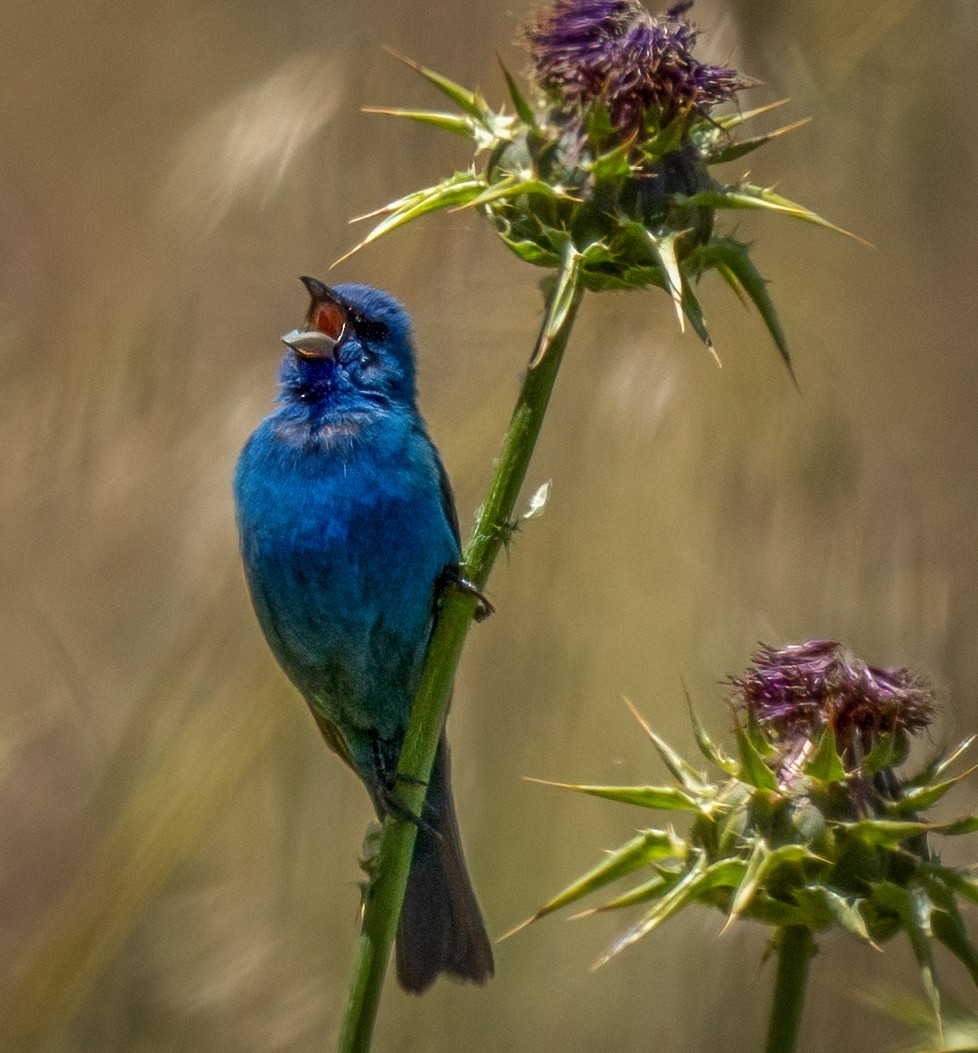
[(394, 806), (469, 588)]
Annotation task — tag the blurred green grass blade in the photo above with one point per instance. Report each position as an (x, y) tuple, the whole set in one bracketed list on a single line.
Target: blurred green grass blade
[(164, 817)]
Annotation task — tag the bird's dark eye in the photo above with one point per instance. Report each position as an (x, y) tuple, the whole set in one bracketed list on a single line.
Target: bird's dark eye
[(369, 330), (330, 319)]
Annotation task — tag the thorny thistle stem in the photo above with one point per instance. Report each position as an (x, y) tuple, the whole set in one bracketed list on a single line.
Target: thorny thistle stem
[(384, 893), (795, 948)]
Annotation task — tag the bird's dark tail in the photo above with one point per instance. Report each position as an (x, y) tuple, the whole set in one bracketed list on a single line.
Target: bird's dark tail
[(441, 929)]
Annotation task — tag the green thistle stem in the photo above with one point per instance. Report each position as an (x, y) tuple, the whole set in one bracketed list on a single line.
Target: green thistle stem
[(385, 893), (796, 948)]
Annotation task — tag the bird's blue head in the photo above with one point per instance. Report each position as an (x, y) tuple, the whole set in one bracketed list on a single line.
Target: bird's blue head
[(354, 351)]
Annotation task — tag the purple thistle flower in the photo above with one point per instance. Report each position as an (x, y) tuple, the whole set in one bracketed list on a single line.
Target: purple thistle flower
[(615, 52), (804, 688)]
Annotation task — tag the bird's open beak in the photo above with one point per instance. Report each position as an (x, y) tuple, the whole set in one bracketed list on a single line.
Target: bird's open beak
[(310, 343)]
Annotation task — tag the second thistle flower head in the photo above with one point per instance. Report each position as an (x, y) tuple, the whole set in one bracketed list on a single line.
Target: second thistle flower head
[(798, 693), (809, 824)]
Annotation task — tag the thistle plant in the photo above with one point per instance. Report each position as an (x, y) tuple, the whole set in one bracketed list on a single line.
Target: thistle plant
[(601, 175), (807, 828), (605, 169)]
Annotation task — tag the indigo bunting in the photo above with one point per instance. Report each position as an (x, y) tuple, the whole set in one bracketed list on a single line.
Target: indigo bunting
[(347, 524)]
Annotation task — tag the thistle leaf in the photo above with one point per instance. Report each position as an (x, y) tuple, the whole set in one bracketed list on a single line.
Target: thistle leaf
[(468, 101), (567, 290), (731, 279), (666, 798), (945, 919), (523, 109), (885, 833), (948, 927), (730, 121), (762, 863), (694, 313), (753, 770), (610, 165), (664, 251), (938, 765), (639, 852), (885, 754), (942, 766), (449, 122), (842, 910), (746, 195), (739, 148), (966, 825), (750, 883), (667, 140), (512, 186), (920, 797), (453, 191), (954, 880), (640, 894), (825, 765), (707, 746), (679, 768), (531, 251), (917, 922), (684, 890), (732, 258)]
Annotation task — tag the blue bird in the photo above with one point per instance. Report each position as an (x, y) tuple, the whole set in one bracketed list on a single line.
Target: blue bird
[(347, 526)]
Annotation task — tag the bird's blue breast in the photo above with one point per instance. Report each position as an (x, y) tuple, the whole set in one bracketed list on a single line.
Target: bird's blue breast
[(344, 532)]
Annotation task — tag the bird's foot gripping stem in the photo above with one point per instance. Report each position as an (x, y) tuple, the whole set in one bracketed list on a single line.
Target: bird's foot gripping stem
[(457, 580)]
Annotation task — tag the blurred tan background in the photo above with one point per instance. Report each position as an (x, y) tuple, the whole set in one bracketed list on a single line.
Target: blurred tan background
[(177, 850)]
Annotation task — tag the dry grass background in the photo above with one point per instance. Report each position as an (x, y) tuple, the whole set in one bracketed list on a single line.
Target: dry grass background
[(177, 851)]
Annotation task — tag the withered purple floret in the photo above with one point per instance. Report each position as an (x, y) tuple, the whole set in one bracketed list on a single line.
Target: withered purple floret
[(802, 689)]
